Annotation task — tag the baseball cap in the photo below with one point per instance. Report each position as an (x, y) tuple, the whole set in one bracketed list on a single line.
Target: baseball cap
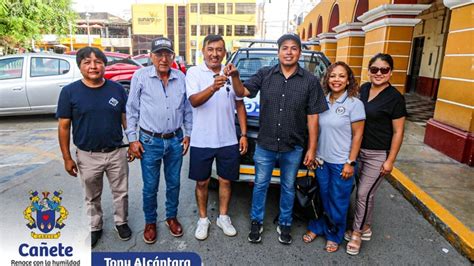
[(161, 43), (289, 36)]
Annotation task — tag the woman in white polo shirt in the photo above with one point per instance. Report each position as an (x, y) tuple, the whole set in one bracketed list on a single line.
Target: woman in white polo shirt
[(340, 136)]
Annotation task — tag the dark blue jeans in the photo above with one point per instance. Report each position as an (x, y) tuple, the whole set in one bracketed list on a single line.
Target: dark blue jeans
[(335, 194), (170, 152), (264, 163)]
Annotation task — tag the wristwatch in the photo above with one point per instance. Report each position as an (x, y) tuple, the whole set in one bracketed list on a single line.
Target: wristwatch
[(243, 135), (351, 163)]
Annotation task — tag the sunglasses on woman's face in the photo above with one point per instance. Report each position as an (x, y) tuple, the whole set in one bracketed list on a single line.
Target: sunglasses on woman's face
[(375, 70)]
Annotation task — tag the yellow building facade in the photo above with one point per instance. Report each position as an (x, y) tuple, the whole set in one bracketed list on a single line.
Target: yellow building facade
[(188, 24), (234, 20), (431, 42), (150, 21)]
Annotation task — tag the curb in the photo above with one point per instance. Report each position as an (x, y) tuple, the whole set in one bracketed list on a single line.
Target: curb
[(457, 234)]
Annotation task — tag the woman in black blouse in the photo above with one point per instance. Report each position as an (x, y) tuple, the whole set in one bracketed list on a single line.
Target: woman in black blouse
[(383, 135)]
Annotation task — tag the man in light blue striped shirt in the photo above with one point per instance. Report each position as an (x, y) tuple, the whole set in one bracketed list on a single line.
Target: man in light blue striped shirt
[(158, 108)]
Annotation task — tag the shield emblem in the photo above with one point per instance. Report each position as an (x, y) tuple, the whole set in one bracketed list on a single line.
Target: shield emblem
[(45, 220)]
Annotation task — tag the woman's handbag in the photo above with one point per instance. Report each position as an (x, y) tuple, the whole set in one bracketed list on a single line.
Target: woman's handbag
[(307, 199)]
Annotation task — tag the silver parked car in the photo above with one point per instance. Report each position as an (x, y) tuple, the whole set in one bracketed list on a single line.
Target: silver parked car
[(30, 83)]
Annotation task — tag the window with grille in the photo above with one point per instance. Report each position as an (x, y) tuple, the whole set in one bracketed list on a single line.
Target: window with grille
[(208, 8), (244, 8)]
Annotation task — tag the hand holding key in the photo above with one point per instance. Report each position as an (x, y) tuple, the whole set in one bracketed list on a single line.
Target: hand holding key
[(219, 81), (231, 71)]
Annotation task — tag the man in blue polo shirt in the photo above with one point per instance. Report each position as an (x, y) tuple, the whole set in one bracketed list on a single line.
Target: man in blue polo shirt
[(96, 108)]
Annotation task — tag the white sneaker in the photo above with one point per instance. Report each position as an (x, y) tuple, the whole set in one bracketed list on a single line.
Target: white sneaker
[(202, 228), (224, 222)]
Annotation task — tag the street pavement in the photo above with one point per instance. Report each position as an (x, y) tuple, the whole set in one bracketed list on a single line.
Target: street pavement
[(30, 158)]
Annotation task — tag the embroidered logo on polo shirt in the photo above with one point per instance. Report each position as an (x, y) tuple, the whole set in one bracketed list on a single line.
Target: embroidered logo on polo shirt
[(113, 102), (340, 110)]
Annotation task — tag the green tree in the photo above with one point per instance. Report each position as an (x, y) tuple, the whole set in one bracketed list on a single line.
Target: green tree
[(24, 20)]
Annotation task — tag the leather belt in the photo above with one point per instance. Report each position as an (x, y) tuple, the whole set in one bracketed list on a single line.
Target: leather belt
[(105, 150), (161, 135)]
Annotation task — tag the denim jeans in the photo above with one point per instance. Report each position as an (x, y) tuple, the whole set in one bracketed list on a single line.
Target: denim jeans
[(264, 163), (170, 152), (335, 194)]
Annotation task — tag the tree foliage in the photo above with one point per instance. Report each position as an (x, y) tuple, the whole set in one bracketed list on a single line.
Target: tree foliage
[(24, 20)]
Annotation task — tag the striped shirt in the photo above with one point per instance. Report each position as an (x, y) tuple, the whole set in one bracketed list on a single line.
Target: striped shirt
[(155, 108)]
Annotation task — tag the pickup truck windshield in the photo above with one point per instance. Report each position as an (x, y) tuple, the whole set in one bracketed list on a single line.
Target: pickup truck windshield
[(249, 62)]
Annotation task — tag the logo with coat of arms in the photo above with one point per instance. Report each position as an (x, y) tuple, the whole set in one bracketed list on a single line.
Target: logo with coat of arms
[(45, 209)]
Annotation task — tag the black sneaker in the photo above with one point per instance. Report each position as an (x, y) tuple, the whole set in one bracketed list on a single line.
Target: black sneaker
[(124, 232), (284, 232), (95, 236), (255, 235)]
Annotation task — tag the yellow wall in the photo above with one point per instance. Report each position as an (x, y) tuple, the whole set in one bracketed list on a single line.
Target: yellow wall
[(455, 103), (329, 49), (149, 19), (433, 29), (351, 50), (375, 3)]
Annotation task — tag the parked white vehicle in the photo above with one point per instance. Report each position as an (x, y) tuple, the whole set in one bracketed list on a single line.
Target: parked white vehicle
[(30, 83)]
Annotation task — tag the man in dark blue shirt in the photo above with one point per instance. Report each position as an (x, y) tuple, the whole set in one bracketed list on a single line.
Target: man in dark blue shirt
[(96, 109)]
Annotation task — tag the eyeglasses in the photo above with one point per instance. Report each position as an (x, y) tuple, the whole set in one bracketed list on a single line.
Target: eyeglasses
[(375, 70), (162, 55)]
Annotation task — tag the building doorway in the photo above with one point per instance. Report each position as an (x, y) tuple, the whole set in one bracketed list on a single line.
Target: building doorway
[(416, 55)]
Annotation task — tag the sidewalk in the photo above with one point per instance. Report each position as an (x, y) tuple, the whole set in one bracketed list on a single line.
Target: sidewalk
[(440, 188)]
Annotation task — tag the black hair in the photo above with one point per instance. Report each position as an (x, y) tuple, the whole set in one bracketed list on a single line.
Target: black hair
[(352, 89), (87, 51), (212, 38), (289, 36), (384, 57)]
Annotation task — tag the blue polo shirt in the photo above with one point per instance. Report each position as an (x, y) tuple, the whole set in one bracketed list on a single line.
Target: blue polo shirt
[(96, 114), (335, 131)]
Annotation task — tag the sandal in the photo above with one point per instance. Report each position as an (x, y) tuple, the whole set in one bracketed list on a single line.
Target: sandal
[(366, 235), (353, 247), (309, 237), (331, 246)]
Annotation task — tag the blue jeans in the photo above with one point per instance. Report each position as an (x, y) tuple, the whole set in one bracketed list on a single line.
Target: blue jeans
[(170, 152), (335, 194), (264, 163)]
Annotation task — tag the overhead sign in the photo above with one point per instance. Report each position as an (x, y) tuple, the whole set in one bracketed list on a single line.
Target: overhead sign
[(149, 19)]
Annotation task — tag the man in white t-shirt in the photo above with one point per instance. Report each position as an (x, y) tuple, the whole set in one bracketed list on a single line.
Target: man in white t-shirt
[(214, 103)]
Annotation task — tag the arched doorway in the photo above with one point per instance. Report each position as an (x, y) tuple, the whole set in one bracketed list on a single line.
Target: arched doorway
[(334, 18), (319, 27), (362, 6), (310, 31)]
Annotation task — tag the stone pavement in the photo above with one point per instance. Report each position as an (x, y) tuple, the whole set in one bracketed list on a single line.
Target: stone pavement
[(439, 187)]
